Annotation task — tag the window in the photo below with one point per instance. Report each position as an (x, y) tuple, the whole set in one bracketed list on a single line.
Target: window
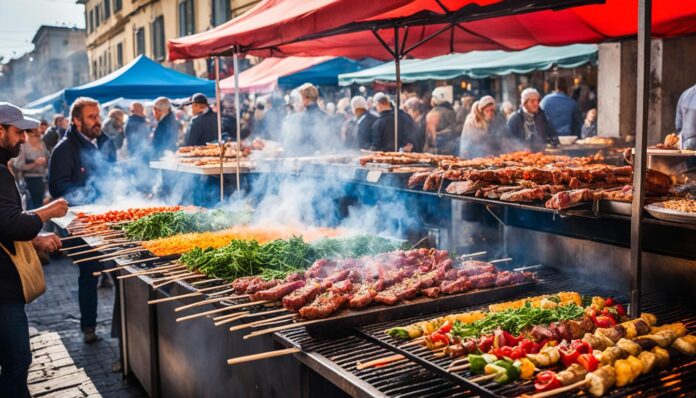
[(140, 41), (221, 12), (107, 9), (108, 62), (117, 5), (97, 14), (91, 21), (187, 24), (94, 69), (158, 38), (119, 55)]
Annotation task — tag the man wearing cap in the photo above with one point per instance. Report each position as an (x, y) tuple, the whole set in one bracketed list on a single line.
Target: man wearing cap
[(382, 135), (76, 171), (17, 227), (529, 124), (364, 120), (442, 137), (203, 127)]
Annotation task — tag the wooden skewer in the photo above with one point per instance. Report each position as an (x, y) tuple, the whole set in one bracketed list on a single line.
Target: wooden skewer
[(233, 318), (473, 254), (200, 292), (263, 322), (501, 260), (265, 355), (109, 270), (484, 378), (107, 246), (156, 270), (144, 260), (128, 253), (458, 368), (281, 328), (204, 302), (220, 292), (183, 278), (65, 249), (458, 361), (416, 341), (109, 256), (254, 315), (560, 390), (275, 323), (215, 311), (379, 361), (203, 282)]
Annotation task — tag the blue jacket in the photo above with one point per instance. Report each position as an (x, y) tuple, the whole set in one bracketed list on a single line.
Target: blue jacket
[(165, 136), (137, 134), (75, 167), (685, 120), (202, 130), (563, 112), (544, 133)]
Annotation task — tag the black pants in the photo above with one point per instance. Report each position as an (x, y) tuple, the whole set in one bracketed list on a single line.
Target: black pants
[(35, 186), (15, 352), (87, 293)]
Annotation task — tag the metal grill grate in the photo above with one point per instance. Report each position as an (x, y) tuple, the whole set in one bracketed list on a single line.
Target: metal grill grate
[(426, 376)]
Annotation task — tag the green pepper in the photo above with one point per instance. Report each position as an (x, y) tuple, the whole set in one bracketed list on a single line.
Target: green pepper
[(479, 362), (509, 373), (398, 333)]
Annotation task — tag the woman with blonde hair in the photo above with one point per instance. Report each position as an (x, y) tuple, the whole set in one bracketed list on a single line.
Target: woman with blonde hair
[(480, 127)]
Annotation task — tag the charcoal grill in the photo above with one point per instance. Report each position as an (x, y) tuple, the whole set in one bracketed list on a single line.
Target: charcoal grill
[(425, 376)]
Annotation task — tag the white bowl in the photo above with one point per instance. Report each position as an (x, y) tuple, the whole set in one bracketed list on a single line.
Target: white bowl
[(567, 139)]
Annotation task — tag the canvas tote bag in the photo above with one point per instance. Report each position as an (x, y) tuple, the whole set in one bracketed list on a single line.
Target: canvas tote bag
[(29, 269)]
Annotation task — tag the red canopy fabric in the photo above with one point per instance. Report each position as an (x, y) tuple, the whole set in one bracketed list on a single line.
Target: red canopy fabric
[(587, 24), (263, 78), (272, 22)]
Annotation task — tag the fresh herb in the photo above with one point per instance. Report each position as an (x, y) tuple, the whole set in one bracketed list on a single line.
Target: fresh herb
[(162, 225), (517, 320), (354, 246)]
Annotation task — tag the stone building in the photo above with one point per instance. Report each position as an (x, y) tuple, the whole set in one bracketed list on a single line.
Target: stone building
[(120, 30)]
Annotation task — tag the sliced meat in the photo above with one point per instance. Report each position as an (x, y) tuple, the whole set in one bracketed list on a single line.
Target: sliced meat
[(475, 267), (482, 281), (240, 285), (461, 284), (405, 290), (365, 294), (259, 285), (295, 300), (431, 292), (324, 304), (278, 291)]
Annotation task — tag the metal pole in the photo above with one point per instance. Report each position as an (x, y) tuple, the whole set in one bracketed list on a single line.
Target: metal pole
[(219, 126), (639, 159), (397, 99), (236, 110)]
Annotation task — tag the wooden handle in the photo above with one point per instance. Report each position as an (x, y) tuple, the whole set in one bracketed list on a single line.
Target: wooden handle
[(265, 355), (379, 361), (281, 328), (501, 260), (561, 390)]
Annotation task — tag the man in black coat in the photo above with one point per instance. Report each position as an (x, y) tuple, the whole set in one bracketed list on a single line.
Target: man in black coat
[(530, 125), (77, 165), (167, 131), (362, 129), (204, 126), (17, 225), (382, 137)]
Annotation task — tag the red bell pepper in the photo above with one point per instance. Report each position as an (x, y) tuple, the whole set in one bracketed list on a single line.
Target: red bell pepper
[(569, 356), (546, 381), (485, 343), (445, 328), (581, 346), (603, 321), (620, 310), (589, 362), (609, 302), (436, 337)]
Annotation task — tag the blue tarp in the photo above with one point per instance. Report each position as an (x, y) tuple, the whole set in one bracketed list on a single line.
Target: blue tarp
[(478, 64), (142, 78), (326, 73), (54, 100)]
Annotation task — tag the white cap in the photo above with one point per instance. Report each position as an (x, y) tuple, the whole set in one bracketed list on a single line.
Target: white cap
[(13, 116), (528, 93), (358, 102), (439, 95), (380, 96)]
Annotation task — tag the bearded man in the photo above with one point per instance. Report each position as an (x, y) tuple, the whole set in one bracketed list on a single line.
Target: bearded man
[(20, 236), (76, 165)]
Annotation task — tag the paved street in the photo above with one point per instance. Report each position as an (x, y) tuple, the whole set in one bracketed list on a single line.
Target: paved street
[(63, 365)]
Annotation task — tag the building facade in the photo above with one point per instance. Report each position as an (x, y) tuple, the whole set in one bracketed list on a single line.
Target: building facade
[(59, 52), (120, 30)]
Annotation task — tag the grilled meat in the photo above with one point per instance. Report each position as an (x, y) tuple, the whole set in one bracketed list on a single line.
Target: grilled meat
[(365, 294), (258, 285), (278, 291), (506, 278), (298, 298), (482, 281), (459, 285), (405, 290), (240, 285), (324, 304), (523, 195), (475, 267), (431, 292)]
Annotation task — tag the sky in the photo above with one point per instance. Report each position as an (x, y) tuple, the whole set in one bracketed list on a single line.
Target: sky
[(20, 19)]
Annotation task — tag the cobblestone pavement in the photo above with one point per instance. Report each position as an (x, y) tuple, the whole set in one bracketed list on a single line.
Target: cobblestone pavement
[(63, 365)]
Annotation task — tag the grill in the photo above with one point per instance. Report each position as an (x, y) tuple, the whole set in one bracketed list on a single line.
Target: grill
[(426, 376)]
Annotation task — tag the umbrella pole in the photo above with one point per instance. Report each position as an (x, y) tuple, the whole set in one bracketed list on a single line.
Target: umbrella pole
[(236, 110), (397, 99), (219, 126)]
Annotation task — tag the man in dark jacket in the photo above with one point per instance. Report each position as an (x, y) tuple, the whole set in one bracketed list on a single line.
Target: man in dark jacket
[(204, 126), (137, 132), (529, 124), (382, 137), (16, 226), (56, 132), (362, 128), (167, 132), (75, 167)]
